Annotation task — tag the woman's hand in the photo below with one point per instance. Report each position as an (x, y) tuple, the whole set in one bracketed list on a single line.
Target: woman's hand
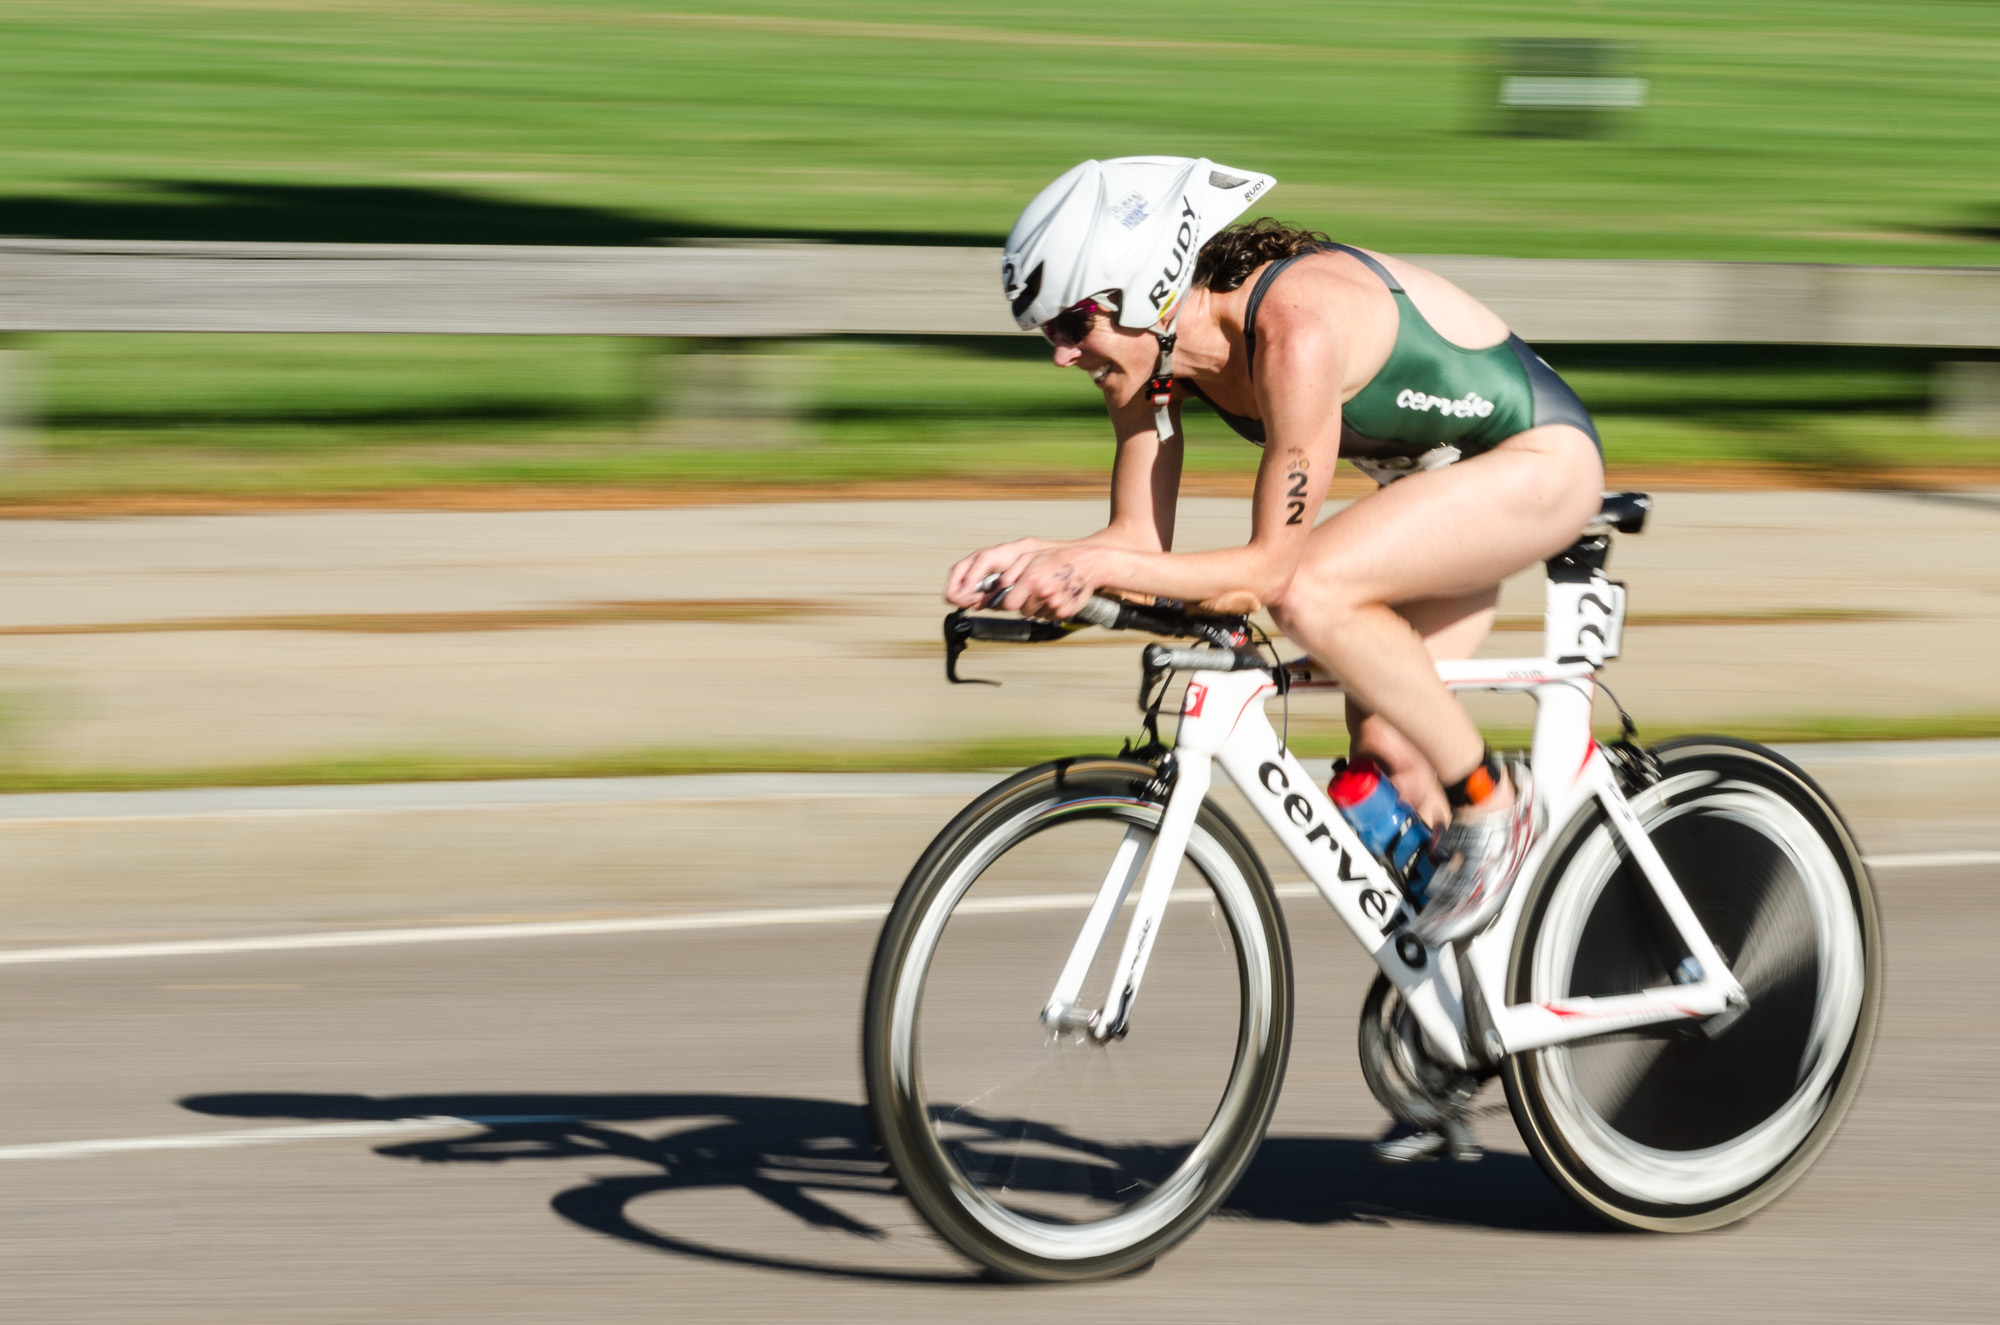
[(961, 587), (1055, 582), (1037, 578)]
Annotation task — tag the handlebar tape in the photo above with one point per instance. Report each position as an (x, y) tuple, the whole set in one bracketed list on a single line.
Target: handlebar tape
[(1161, 658), (1113, 614), (1007, 630)]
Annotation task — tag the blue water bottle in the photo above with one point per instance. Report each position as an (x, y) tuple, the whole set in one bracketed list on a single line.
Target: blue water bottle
[(1393, 832)]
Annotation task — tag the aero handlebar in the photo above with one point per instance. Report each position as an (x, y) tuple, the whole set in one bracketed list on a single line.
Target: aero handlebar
[(1225, 634)]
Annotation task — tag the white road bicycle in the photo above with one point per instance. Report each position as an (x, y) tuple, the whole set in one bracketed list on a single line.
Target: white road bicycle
[(1679, 995)]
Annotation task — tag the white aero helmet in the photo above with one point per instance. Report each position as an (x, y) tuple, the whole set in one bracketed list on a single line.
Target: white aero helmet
[(1131, 225)]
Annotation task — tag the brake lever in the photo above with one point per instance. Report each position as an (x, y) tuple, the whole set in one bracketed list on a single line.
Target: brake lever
[(961, 628), (991, 595), (958, 634), (958, 631)]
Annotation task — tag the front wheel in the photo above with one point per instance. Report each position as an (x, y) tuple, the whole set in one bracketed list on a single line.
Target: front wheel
[(1044, 1153), (1690, 1126)]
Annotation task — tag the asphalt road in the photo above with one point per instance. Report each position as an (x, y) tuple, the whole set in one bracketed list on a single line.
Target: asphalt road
[(672, 1132)]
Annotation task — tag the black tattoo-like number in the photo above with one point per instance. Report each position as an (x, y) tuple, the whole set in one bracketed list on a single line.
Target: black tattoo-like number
[(1298, 489)]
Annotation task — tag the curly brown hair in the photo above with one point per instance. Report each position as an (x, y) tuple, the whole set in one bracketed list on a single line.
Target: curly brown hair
[(1227, 260)]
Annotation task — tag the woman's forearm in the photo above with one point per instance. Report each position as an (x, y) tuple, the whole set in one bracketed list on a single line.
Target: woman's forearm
[(1126, 536), (1226, 573)]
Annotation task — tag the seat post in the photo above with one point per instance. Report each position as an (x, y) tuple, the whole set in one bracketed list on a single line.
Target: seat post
[(1584, 615)]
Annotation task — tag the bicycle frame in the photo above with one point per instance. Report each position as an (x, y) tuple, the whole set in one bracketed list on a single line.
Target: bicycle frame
[(1456, 996)]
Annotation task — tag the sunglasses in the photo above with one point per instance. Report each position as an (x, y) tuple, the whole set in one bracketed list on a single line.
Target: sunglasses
[(1067, 329)]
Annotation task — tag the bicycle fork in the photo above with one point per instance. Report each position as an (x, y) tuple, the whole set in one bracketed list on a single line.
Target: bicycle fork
[(1170, 842)]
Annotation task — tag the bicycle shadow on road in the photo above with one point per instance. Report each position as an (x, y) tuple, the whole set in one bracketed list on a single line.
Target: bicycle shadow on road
[(814, 1160), (1335, 1179)]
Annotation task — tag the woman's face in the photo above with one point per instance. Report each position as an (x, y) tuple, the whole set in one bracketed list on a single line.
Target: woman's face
[(1118, 360)]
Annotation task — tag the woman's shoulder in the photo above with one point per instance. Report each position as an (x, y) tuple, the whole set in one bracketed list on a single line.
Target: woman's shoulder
[(1329, 286), (1330, 267), (1356, 286)]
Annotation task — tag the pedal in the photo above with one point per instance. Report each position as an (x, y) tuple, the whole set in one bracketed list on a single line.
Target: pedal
[(1413, 1146), (1408, 1145)]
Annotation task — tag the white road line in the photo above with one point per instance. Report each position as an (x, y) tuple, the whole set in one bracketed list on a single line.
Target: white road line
[(375, 938), (756, 919), (1932, 860), (50, 809), (45, 809), (257, 1136)]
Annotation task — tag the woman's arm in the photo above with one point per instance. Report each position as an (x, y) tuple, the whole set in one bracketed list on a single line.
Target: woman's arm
[(1145, 491), (1298, 384), (1145, 485)]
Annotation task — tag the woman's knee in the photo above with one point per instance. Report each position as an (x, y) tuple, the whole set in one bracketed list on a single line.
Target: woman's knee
[(1313, 602), (1333, 580)]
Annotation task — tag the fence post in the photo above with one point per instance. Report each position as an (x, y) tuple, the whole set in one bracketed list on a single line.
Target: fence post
[(16, 407), (1967, 399), (733, 393)]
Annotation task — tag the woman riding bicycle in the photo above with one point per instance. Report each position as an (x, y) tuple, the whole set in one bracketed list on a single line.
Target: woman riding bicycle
[(1487, 462)]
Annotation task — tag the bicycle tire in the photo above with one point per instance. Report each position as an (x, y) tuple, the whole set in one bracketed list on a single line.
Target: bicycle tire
[(1671, 1129), (946, 1154)]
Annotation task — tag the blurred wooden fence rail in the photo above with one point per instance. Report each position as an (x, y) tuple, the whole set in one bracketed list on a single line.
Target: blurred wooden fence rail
[(784, 290)]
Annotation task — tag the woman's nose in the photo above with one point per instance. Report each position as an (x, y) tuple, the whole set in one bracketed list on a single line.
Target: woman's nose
[(1066, 355)]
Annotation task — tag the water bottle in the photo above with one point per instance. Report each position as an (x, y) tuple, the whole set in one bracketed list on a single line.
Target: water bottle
[(1393, 832)]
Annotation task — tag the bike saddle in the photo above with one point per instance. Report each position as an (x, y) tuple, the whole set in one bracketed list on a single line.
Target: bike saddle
[(1625, 512)]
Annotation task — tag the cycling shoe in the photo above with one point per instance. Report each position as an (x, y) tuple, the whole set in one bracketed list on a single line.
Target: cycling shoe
[(1479, 858)]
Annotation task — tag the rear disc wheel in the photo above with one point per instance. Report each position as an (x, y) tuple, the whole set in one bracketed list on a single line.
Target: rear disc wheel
[(1672, 1128)]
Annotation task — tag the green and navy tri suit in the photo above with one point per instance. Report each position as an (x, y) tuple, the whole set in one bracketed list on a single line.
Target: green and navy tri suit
[(1433, 402)]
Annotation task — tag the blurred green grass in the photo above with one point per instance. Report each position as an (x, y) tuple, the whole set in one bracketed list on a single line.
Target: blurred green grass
[(998, 754), (1835, 130), (229, 383), (288, 415)]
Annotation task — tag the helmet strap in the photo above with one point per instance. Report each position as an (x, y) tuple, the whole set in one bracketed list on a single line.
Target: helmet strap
[(1160, 387)]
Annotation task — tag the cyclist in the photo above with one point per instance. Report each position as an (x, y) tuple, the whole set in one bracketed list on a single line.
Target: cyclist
[(1487, 463)]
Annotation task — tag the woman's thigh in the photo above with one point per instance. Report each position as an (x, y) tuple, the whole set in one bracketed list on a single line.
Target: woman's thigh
[(1444, 535), (1455, 627), (1451, 628)]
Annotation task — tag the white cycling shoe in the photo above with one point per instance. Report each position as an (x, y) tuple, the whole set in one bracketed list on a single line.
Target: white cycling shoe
[(1482, 855)]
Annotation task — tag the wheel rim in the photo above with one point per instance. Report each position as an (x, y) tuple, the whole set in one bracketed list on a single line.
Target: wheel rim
[(1040, 1171), (1669, 1116)]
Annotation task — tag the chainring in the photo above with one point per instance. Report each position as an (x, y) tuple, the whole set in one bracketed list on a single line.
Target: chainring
[(1413, 1086)]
